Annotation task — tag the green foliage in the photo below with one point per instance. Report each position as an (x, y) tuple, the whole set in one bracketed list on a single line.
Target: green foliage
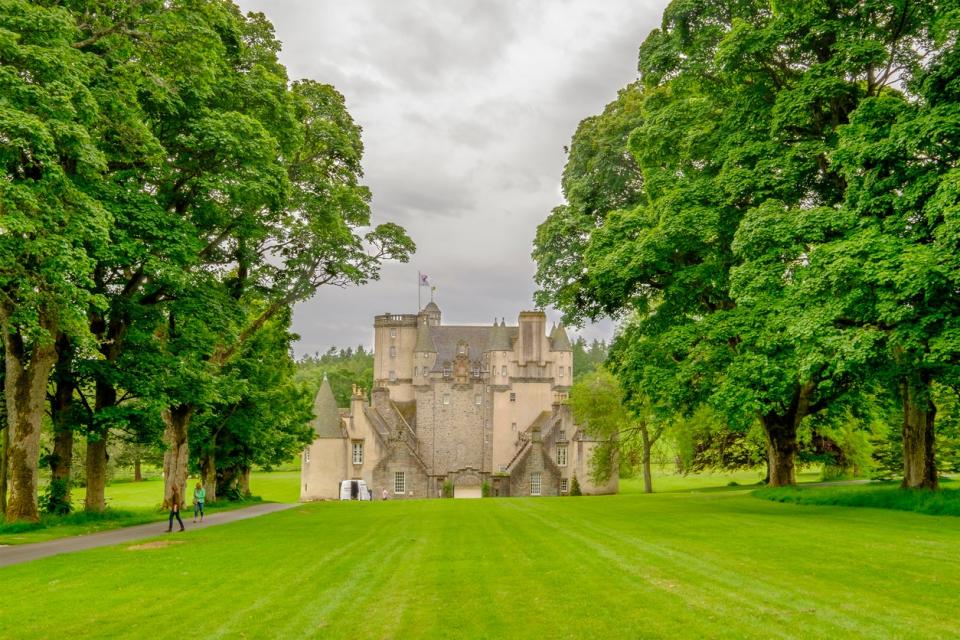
[(575, 487), (785, 246), (587, 358), (343, 368), (447, 489), (485, 489), (55, 498)]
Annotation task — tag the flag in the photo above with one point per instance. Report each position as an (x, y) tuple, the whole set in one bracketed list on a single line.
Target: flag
[(424, 281)]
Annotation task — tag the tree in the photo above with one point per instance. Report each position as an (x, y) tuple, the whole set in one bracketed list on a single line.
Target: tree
[(49, 219), (741, 110), (598, 404), (343, 368)]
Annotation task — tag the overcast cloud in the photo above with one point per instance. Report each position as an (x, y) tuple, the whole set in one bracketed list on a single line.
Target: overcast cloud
[(465, 109)]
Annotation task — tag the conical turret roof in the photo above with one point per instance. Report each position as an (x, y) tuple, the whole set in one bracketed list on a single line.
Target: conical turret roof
[(326, 416), (424, 338), (559, 340), (499, 338)]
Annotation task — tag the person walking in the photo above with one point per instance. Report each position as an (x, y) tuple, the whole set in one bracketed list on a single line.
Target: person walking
[(175, 508), (199, 495)]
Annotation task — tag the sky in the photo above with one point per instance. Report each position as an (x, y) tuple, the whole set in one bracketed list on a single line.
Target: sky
[(466, 107)]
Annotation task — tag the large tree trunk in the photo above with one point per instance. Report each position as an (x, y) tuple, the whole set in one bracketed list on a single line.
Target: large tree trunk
[(919, 413), (4, 447), (137, 473), (177, 422), (208, 471), (781, 451), (647, 475), (245, 482), (25, 389), (781, 433), (106, 397), (62, 458)]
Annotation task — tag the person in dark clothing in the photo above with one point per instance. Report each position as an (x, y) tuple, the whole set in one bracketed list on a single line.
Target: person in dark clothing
[(175, 509)]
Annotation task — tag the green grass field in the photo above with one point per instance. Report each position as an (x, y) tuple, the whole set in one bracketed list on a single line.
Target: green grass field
[(718, 564)]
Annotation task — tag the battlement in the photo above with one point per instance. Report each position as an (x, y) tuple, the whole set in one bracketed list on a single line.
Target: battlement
[(395, 320)]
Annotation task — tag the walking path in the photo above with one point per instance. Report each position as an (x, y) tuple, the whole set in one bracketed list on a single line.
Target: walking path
[(25, 552)]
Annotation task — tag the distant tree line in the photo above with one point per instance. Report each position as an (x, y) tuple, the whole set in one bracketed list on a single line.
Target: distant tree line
[(771, 211), (168, 196)]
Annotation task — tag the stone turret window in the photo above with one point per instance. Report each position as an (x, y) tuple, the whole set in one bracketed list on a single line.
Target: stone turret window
[(393, 351), (357, 452), (446, 398), (306, 455), (477, 399), (535, 484), (399, 482), (513, 397), (562, 456)]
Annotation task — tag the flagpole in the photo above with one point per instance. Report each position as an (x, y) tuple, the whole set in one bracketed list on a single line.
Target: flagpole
[(418, 292)]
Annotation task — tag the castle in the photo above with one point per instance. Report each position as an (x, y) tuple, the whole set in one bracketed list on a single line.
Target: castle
[(458, 409)]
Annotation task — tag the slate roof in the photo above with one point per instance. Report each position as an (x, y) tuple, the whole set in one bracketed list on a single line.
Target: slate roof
[(424, 339), (326, 415), (447, 337), (500, 338), (559, 340)]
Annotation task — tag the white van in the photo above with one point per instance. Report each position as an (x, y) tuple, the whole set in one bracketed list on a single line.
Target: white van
[(354, 490)]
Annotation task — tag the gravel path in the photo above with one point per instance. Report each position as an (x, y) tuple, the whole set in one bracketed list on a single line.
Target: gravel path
[(16, 554)]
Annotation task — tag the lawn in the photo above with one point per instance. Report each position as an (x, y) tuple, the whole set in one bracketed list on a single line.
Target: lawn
[(131, 503), (704, 564)]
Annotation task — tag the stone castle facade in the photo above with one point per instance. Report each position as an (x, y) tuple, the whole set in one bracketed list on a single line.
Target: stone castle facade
[(460, 406)]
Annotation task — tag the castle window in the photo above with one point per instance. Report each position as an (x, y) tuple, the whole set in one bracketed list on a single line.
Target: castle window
[(462, 349), (393, 351), (446, 372), (477, 400), (562, 435), (513, 426), (562, 456), (399, 482), (393, 376), (513, 397), (561, 373), (535, 484), (563, 485), (416, 371), (357, 452), (570, 372), (446, 398), (503, 371), (393, 332)]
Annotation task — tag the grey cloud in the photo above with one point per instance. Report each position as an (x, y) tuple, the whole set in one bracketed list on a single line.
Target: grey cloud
[(465, 108)]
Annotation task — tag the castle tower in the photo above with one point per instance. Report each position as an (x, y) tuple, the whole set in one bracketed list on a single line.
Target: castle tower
[(562, 355), (425, 350)]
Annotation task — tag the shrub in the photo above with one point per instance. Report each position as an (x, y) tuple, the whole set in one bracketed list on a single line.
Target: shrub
[(485, 489), (448, 489), (575, 487), (55, 498)]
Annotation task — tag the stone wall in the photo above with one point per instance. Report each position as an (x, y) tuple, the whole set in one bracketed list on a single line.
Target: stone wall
[(535, 460), (400, 458), (456, 435)]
